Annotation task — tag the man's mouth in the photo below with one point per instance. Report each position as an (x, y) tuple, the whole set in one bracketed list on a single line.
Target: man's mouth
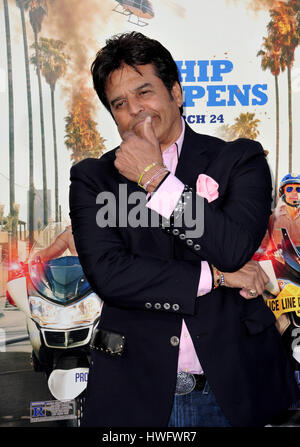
[(137, 123), (140, 120)]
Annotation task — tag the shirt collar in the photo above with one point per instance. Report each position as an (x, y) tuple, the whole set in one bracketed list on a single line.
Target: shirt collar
[(179, 141)]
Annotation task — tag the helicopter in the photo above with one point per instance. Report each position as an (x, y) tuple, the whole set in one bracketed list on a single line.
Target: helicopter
[(135, 10)]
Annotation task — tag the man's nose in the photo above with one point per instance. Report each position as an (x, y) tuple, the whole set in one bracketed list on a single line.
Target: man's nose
[(135, 106)]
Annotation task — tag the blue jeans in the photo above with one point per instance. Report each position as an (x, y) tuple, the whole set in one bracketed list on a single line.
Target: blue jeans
[(197, 409)]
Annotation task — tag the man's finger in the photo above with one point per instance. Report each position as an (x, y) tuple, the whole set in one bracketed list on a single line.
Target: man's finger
[(260, 285), (245, 293), (265, 278)]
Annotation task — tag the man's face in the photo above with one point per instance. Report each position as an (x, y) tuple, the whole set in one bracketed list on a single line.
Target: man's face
[(133, 96), (291, 194)]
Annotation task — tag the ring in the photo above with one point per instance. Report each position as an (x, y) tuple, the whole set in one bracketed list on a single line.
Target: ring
[(253, 292)]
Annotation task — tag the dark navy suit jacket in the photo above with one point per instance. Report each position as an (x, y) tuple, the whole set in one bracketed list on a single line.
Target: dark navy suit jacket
[(141, 273)]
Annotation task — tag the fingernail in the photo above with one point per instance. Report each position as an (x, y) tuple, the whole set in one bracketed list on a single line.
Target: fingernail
[(148, 119)]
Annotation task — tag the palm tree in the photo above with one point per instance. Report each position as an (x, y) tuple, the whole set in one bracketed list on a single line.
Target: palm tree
[(37, 11), (245, 126), (225, 132), (10, 111), (271, 61), (283, 29), (53, 65), (295, 5), (14, 227), (20, 5)]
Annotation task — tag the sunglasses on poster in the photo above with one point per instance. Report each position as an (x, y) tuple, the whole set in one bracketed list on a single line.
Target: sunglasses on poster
[(292, 188)]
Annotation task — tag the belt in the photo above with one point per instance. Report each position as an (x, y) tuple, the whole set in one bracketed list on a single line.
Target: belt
[(187, 382)]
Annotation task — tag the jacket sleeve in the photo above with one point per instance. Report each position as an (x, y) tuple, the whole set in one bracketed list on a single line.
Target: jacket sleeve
[(119, 277), (231, 228)]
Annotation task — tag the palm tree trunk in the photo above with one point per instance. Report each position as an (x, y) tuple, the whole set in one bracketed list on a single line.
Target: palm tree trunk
[(10, 112), (14, 228), (290, 119), (277, 139), (55, 153), (45, 199), (30, 131)]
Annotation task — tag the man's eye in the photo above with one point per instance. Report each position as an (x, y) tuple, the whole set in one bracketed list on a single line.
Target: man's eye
[(119, 104), (143, 92)]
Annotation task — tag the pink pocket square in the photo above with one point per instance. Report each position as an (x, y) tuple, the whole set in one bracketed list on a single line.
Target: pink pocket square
[(207, 187)]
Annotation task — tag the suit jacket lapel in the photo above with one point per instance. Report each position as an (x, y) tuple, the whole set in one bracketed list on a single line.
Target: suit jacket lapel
[(193, 158)]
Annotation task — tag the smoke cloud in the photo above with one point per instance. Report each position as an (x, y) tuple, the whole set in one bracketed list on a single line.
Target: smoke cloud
[(257, 5), (178, 9), (78, 24)]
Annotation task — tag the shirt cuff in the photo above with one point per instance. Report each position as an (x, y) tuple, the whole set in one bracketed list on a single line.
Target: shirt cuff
[(205, 281), (166, 196)]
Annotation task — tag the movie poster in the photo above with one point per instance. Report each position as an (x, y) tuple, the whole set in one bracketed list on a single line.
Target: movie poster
[(239, 64)]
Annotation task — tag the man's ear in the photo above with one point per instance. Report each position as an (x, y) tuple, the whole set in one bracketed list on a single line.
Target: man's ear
[(177, 94)]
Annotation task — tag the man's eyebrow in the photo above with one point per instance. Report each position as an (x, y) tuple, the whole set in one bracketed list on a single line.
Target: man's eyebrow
[(146, 84)]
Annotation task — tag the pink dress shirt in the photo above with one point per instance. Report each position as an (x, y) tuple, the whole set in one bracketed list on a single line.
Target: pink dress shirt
[(163, 202)]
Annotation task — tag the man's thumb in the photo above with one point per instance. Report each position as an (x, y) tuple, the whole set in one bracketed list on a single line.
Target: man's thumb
[(148, 130)]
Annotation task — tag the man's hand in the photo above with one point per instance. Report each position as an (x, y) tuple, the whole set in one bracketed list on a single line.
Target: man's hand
[(251, 277), (139, 149)]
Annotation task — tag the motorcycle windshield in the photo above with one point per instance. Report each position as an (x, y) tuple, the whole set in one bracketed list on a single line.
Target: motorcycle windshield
[(60, 280)]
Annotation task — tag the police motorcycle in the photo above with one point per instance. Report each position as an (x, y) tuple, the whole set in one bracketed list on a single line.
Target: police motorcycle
[(61, 311)]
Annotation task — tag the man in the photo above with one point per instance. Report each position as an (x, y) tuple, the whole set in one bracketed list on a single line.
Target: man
[(180, 342), (287, 212), (285, 215)]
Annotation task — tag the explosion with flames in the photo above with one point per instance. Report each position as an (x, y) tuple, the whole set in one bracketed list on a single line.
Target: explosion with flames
[(82, 136)]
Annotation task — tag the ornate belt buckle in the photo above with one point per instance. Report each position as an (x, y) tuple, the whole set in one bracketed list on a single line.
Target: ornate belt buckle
[(185, 384)]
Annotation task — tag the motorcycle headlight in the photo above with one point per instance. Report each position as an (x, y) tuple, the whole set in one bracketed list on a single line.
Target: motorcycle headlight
[(83, 312)]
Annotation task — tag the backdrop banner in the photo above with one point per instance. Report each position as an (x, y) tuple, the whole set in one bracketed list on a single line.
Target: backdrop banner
[(239, 65)]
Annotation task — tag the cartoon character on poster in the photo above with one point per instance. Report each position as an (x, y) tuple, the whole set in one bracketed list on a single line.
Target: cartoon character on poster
[(279, 255)]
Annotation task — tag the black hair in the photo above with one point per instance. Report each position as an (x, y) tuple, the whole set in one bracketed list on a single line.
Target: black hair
[(132, 49)]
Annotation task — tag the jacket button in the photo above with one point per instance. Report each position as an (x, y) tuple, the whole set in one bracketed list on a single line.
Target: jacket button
[(174, 341), (175, 306), (157, 305), (189, 242), (175, 231), (167, 306), (148, 305), (182, 236), (197, 247)]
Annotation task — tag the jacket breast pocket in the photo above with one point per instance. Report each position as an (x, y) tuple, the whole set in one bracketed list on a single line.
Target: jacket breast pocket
[(109, 342), (259, 319)]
